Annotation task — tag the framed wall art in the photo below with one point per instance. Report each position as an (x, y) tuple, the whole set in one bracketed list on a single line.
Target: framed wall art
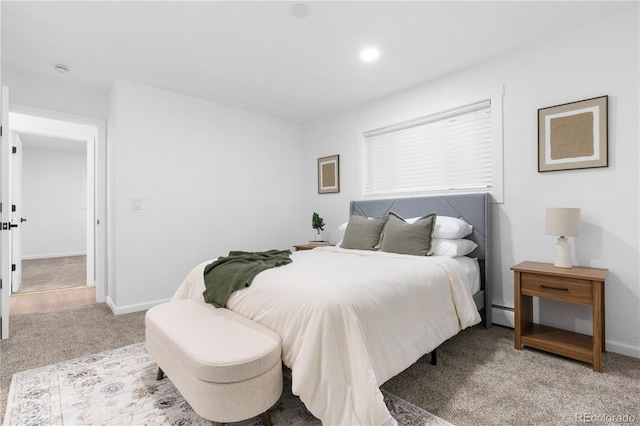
[(573, 135), (329, 174)]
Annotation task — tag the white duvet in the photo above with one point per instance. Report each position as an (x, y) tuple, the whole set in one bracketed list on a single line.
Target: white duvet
[(350, 320)]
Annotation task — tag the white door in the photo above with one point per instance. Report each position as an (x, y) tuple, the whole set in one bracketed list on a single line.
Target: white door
[(16, 199), (5, 214)]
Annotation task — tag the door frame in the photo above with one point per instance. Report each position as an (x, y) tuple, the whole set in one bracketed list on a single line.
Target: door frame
[(93, 131)]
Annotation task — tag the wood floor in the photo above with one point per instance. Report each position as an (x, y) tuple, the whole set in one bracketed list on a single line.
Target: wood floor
[(51, 300)]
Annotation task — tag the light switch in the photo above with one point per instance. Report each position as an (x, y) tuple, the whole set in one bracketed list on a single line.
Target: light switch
[(136, 204)]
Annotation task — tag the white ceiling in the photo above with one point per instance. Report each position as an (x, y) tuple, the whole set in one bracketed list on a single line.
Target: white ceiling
[(257, 56)]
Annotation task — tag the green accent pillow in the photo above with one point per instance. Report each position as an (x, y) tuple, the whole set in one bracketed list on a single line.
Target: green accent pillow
[(408, 238), (363, 233)]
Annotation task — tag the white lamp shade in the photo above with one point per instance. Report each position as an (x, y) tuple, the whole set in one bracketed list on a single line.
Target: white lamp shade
[(562, 222)]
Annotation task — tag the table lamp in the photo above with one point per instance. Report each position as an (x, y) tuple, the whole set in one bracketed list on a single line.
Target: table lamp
[(563, 222)]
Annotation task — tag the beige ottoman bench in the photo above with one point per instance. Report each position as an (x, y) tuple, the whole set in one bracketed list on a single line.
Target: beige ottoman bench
[(227, 367)]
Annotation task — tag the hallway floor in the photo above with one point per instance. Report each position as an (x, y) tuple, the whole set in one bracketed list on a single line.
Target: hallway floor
[(51, 300)]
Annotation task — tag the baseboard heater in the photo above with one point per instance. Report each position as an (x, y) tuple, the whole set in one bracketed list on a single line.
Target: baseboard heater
[(502, 315)]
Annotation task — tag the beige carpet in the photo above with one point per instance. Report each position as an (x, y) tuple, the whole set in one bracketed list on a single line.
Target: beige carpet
[(53, 273), (480, 378), (47, 338)]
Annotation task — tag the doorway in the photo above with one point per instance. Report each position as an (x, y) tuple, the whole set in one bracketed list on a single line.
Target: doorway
[(53, 214), (66, 227)]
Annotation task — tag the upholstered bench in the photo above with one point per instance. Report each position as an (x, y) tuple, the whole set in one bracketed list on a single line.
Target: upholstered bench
[(226, 366)]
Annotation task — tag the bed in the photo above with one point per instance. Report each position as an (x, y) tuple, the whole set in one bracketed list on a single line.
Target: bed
[(474, 209), (350, 320)]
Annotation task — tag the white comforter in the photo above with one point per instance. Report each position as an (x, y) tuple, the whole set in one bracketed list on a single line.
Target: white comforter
[(350, 320)]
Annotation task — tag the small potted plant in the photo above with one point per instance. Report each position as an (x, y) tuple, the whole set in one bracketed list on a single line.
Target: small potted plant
[(317, 223)]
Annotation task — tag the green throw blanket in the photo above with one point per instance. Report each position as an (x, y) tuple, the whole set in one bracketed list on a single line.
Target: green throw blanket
[(236, 271)]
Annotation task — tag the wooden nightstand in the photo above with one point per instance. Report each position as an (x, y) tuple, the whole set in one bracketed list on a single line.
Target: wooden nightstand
[(573, 285), (300, 247)]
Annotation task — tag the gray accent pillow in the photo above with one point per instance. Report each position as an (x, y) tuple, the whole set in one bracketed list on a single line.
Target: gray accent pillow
[(408, 238), (363, 233)]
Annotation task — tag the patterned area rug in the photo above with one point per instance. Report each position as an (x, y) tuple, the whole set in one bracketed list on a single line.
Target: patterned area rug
[(119, 387)]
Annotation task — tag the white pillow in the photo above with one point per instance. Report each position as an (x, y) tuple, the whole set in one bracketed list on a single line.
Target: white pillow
[(448, 227), (342, 228), (452, 247), (451, 227)]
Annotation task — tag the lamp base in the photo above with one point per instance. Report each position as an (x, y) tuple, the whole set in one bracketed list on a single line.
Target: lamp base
[(563, 254)]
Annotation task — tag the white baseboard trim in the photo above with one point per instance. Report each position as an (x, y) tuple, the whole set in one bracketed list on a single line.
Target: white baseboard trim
[(49, 256), (120, 310), (623, 349), (506, 317)]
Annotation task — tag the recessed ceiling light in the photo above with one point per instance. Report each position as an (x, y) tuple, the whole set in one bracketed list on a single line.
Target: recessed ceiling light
[(62, 69), (300, 10), (369, 54)]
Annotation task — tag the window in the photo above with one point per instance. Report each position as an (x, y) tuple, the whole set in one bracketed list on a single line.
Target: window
[(455, 148)]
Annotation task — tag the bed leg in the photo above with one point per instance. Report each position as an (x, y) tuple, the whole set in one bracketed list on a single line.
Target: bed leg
[(160, 374), (434, 358)]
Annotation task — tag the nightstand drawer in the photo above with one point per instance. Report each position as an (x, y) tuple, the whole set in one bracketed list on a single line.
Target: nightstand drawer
[(558, 288)]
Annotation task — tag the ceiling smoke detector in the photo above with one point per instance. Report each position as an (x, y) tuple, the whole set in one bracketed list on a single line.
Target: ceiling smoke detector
[(300, 10), (62, 69)]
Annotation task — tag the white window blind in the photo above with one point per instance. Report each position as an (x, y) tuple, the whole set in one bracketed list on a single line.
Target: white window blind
[(447, 151)]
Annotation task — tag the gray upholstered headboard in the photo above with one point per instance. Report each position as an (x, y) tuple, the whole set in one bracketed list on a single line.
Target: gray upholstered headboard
[(475, 209)]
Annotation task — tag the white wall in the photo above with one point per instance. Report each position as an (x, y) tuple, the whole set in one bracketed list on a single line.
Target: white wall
[(55, 94), (599, 59), (54, 197), (210, 178)]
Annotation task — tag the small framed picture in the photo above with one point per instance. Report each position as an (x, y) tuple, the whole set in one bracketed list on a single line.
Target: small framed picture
[(573, 135), (329, 174)]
